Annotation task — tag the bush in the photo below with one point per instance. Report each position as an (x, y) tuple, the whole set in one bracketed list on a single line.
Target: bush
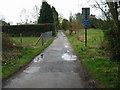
[(113, 44), (27, 30), (112, 38), (9, 49)]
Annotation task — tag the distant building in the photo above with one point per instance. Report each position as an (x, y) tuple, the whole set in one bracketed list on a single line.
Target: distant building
[(2, 23)]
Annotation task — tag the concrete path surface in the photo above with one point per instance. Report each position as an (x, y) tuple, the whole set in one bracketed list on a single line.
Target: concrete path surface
[(57, 67)]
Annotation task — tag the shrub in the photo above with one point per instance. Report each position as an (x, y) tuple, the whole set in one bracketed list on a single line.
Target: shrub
[(27, 30)]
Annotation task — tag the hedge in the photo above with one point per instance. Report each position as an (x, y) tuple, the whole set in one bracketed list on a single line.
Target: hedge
[(27, 30)]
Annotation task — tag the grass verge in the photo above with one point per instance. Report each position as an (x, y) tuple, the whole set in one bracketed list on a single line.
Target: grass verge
[(94, 58), (27, 55), (26, 41)]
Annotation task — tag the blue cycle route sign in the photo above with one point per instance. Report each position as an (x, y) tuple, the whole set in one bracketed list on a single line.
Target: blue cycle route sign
[(86, 23)]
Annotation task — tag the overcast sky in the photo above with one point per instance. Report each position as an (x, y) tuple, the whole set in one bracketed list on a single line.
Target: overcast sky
[(11, 9)]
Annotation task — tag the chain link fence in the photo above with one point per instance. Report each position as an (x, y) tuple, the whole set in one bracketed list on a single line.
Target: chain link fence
[(46, 36)]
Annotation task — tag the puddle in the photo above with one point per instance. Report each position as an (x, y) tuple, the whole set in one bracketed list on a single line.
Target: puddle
[(65, 39), (31, 69), (66, 45), (39, 58), (69, 57), (68, 51)]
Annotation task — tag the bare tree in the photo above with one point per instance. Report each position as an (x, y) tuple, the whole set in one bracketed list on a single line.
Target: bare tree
[(102, 5), (24, 16), (29, 17), (60, 18), (74, 24), (35, 13), (71, 23), (113, 6), (110, 10)]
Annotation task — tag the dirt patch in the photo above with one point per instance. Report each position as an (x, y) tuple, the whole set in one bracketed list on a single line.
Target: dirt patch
[(86, 76)]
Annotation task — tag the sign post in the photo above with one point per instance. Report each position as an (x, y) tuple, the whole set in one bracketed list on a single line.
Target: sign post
[(85, 16)]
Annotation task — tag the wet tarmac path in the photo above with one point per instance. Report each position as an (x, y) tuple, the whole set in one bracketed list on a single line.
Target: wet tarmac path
[(56, 67)]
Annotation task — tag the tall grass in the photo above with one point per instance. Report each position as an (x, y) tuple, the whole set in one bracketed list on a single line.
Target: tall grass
[(95, 58)]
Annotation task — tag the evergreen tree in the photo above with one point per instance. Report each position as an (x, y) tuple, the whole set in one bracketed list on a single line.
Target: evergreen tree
[(46, 13), (65, 24), (55, 16), (79, 18), (56, 21)]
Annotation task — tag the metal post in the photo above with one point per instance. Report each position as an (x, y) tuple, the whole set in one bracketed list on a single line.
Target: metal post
[(42, 40), (85, 36), (21, 38), (85, 15)]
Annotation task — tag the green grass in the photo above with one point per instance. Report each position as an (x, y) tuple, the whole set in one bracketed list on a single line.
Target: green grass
[(27, 55), (105, 71), (26, 41)]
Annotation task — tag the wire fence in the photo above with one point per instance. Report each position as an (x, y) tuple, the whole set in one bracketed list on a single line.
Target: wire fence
[(46, 36), (33, 41)]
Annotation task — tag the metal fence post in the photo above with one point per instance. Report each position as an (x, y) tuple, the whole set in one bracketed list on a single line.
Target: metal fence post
[(21, 38), (42, 40), (85, 36)]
